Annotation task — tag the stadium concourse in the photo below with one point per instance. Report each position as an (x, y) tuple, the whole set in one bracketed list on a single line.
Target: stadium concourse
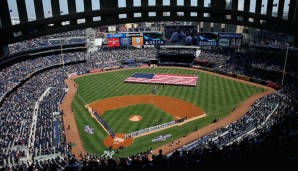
[(32, 131)]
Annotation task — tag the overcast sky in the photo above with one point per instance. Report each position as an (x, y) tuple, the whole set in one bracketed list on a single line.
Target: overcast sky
[(96, 5)]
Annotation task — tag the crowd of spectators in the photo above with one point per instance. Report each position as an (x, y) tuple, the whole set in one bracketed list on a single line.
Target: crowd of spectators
[(268, 39), (273, 40), (264, 66), (271, 119), (13, 75), (66, 38), (17, 109), (16, 115), (214, 56), (44, 140), (113, 58)]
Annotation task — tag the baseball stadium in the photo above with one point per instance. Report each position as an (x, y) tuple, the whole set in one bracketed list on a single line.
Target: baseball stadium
[(148, 85)]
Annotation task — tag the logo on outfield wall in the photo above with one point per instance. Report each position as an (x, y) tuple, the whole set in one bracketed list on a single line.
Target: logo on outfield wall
[(125, 41), (161, 138), (137, 41), (134, 34), (116, 35), (210, 43), (154, 42), (224, 42)]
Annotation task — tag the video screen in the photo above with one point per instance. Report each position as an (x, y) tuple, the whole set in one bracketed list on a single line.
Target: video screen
[(153, 38), (208, 39), (187, 30)]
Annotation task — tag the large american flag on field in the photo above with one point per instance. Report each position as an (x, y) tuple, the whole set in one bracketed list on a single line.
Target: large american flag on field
[(169, 79)]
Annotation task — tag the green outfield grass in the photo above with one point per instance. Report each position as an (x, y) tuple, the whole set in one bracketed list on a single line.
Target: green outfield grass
[(217, 96)]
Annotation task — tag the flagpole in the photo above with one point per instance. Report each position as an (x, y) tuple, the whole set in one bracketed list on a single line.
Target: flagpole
[(284, 70), (62, 56)]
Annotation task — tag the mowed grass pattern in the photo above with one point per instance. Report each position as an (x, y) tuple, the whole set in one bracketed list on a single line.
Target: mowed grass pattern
[(118, 119), (217, 96)]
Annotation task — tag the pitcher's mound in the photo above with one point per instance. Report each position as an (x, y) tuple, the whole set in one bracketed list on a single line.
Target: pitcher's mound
[(118, 141), (135, 118)]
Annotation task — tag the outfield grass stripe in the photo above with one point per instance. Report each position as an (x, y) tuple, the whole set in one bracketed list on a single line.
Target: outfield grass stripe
[(234, 97), (210, 97), (209, 92), (202, 100), (199, 89), (218, 96), (228, 93), (245, 90), (240, 92), (171, 90), (193, 95), (221, 93), (225, 93), (215, 97), (236, 90)]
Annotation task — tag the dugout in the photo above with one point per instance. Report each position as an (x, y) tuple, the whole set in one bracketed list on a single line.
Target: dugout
[(176, 55), (153, 62)]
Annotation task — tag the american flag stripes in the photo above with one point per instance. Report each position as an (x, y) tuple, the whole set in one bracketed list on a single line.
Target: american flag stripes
[(169, 79)]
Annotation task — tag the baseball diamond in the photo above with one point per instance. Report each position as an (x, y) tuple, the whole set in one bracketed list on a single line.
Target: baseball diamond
[(165, 103), (215, 96)]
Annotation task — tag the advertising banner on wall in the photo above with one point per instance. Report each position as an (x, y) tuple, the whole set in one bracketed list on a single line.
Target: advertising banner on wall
[(134, 34), (229, 40), (116, 35), (230, 35), (113, 42), (124, 42), (129, 38), (242, 77), (207, 39), (153, 38), (236, 43), (176, 51), (137, 41), (223, 42), (98, 42)]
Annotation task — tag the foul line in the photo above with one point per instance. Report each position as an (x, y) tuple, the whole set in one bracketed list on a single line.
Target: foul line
[(85, 103), (234, 105), (150, 101), (85, 118), (82, 98)]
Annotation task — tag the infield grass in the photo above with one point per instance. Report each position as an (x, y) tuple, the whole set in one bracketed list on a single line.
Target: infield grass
[(217, 96), (118, 119)]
